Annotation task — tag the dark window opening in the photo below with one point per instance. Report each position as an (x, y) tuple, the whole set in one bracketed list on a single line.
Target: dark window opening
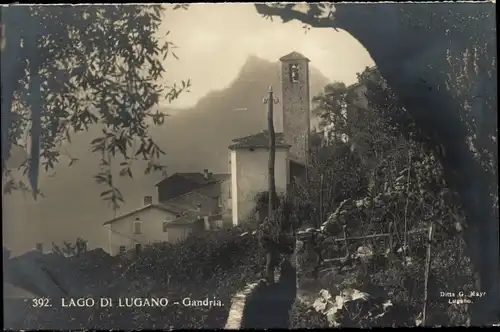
[(137, 227), (294, 73), (122, 249), (219, 224), (138, 248)]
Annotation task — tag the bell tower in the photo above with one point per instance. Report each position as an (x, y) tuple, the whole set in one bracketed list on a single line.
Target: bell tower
[(296, 104)]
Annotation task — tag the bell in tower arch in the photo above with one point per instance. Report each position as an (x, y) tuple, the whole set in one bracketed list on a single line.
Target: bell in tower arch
[(294, 72)]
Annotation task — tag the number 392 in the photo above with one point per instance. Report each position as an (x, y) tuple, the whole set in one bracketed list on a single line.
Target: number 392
[(42, 302)]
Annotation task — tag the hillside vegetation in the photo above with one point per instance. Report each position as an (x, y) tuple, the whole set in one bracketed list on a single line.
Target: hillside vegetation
[(212, 267), (377, 175)]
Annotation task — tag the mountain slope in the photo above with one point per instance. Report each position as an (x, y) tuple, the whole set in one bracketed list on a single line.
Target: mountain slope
[(193, 139), (205, 131)]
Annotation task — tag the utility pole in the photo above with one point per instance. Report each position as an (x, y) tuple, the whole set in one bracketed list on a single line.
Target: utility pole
[(272, 255), (270, 101)]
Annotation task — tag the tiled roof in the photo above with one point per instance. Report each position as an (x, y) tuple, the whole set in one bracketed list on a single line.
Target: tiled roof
[(177, 209), (199, 178), (186, 216), (293, 56), (184, 220), (179, 184), (260, 140), (221, 177), (146, 207), (191, 219)]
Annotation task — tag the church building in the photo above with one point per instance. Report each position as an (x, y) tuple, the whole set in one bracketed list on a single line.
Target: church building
[(249, 155)]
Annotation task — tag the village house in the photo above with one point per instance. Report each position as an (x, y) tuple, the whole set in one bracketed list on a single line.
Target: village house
[(205, 192), (184, 204)]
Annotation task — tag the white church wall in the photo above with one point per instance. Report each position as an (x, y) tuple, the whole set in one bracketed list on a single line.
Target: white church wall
[(250, 176)]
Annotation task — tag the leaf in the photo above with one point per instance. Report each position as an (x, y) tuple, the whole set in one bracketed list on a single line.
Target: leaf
[(140, 150), (97, 140), (107, 192), (68, 137), (100, 178), (72, 161)]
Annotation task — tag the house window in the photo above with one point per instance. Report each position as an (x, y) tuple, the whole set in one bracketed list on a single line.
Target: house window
[(39, 247), (165, 226), (148, 200), (294, 73), (218, 224), (138, 248), (219, 201), (122, 249), (137, 226)]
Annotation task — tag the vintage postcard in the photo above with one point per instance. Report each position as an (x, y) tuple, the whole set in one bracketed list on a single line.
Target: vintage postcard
[(249, 165)]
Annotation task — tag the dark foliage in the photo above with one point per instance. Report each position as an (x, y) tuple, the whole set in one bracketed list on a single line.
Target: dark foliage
[(403, 188), (67, 68), (442, 66), (216, 265)]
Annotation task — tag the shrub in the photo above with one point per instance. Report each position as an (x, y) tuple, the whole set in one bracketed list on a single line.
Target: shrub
[(385, 177), (305, 317), (212, 265)]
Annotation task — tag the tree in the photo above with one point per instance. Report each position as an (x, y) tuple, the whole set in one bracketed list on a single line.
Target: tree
[(69, 249), (66, 68), (423, 55)]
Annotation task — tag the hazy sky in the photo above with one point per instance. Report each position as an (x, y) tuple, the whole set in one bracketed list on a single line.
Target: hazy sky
[(214, 40)]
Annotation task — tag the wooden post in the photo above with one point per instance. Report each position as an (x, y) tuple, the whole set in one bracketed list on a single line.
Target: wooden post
[(271, 255), (391, 241), (272, 149), (427, 271), (344, 229), (320, 200)]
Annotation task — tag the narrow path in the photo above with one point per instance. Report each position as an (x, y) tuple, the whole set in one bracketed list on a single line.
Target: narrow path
[(268, 307)]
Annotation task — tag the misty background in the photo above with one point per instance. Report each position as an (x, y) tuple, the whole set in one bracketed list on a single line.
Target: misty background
[(230, 69)]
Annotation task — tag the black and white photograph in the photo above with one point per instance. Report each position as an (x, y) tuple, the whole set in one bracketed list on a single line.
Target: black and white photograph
[(236, 166)]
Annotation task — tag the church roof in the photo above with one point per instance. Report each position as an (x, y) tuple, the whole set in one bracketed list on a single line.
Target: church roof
[(293, 56), (260, 140)]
